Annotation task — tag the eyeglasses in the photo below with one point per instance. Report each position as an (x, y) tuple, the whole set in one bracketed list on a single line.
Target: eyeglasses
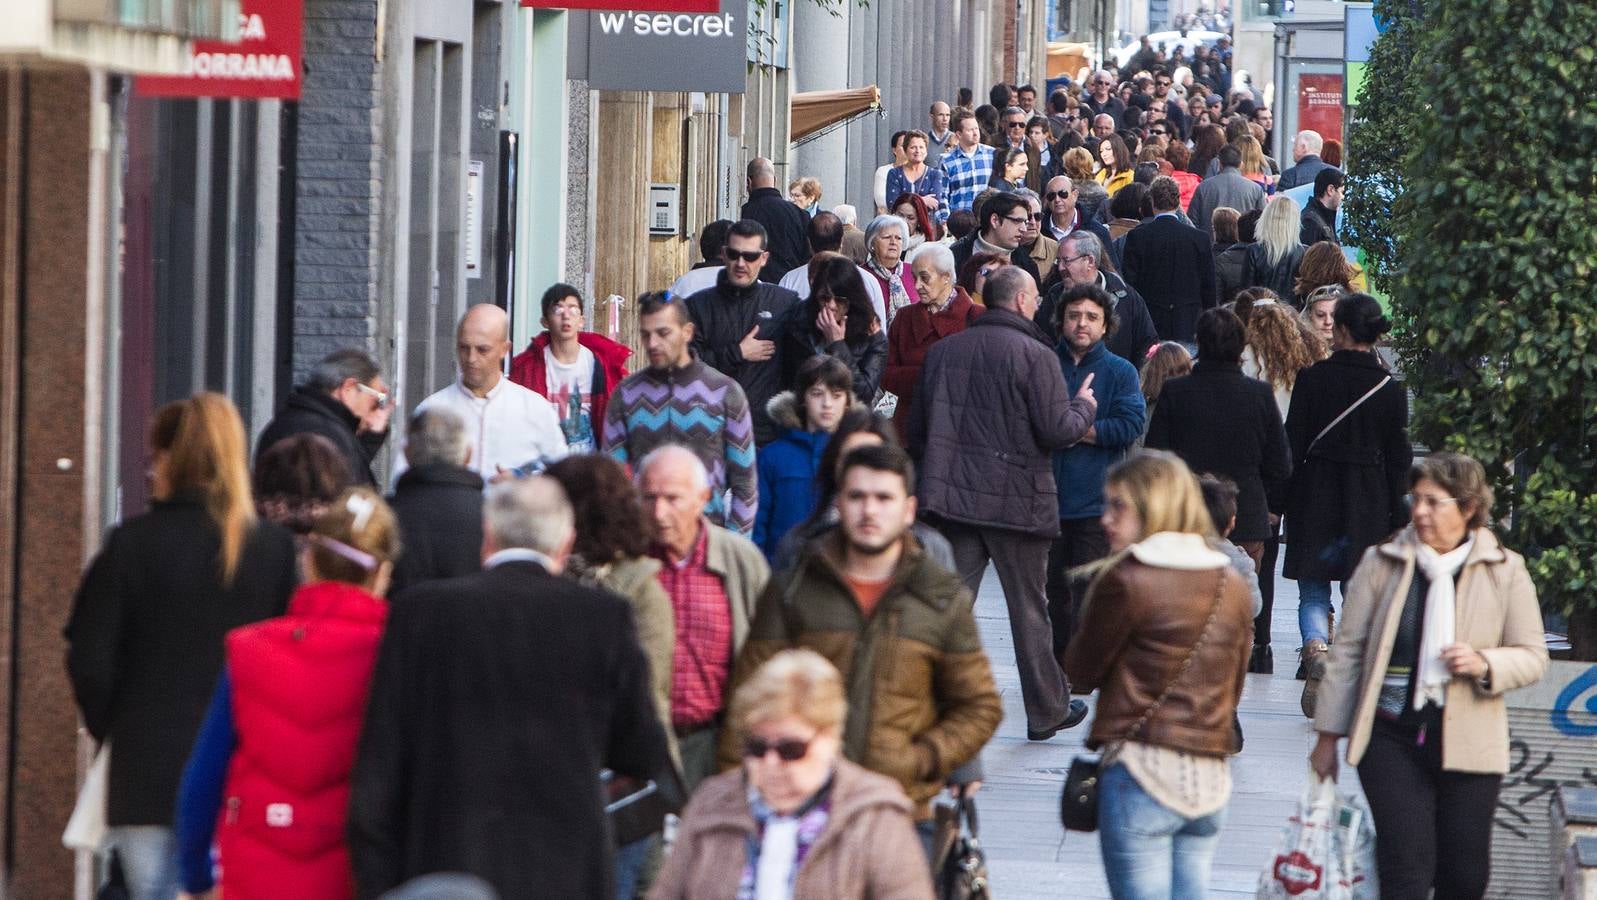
[(1067, 260), (1163, 83), (1101, 83), (1021, 124), (1422, 501), (1051, 196), (787, 749), (748, 256), (382, 396), (1160, 131), (1036, 217), (987, 271), (1017, 220)]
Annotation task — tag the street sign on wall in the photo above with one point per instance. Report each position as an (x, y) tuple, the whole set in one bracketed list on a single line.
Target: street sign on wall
[(664, 6), (263, 64), (637, 50)]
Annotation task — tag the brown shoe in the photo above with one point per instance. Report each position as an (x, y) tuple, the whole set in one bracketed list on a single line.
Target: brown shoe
[(1314, 654)]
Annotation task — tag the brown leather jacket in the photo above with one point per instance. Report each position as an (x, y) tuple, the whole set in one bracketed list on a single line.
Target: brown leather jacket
[(1139, 625)]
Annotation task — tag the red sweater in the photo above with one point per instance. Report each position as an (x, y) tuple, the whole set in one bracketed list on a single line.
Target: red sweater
[(610, 366)]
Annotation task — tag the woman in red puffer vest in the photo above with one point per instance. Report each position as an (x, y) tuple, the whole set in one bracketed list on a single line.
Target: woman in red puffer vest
[(269, 774)]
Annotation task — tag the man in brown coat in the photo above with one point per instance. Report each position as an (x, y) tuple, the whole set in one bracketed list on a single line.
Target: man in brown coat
[(991, 408)]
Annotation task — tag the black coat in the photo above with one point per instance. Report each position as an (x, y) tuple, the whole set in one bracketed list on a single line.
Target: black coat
[(145, 641), (722, 316), (317, 413), (1318, 223), (1347, 495), (866, 358), (1131, 339), (496, 700), (439, 507), (1230, 262), (1172, 266), (1281, 277), (965, 247), (787, 231), (1219, 420)]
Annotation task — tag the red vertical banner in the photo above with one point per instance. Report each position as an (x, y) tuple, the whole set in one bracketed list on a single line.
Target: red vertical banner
[(264, 64), (1320, 105)]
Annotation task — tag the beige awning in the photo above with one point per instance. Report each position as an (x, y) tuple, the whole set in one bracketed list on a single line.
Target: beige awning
[(1067, 59), (814, 110)]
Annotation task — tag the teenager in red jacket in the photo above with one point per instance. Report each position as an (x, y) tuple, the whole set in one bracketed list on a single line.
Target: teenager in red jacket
[(269, 774), (575, 370)]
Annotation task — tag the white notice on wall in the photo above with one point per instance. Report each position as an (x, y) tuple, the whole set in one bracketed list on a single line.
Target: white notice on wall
[(474, 218)]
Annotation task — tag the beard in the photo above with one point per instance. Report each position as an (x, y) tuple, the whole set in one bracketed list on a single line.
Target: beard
[(876, 547)]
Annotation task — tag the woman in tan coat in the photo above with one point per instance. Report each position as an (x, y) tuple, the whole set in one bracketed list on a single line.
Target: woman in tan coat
[(1438, 624), (797, 820)]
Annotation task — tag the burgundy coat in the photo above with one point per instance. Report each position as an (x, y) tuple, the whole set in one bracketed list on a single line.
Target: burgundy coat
[(915, 329)]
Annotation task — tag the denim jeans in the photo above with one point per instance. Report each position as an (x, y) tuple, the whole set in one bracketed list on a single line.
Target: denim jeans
[(1150, 852), (630, 860), (1314, 609), (148, 854)]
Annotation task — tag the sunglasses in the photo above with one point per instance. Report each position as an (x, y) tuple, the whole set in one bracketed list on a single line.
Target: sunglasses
[(986, 272), (1036, 217), (748, 256), (1164, 83), (1016, 124), (1056, 195), (787, 749), (1161, 131)]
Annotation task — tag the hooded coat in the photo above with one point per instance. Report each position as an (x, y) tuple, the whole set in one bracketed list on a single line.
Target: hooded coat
[(787, 468), (609, 367)]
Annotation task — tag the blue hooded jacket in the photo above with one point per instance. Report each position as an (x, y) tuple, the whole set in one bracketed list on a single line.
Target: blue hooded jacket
[(787, 468), (1120, 420)]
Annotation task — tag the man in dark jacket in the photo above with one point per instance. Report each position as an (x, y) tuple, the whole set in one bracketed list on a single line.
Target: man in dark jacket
[(784, 223), (1227, 187), (737, 324), (1306, 161), (343, 400), (1005, 219), (1077, 266), (1170, 264), (1319, 216), (1086, 314), (438, 502), (990, 409), (1062, 215), (496, 700)]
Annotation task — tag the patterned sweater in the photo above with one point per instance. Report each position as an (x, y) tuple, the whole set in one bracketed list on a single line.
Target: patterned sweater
[(701, 409)]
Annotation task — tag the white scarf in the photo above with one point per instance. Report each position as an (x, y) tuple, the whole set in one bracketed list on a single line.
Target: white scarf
[(1430, 683)]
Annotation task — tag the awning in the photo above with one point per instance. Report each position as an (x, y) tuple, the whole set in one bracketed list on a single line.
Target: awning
[(815, 110), (1067, 59)]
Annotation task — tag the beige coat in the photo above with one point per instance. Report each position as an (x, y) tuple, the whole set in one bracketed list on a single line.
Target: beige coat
[(868, 849), (1497, 614)]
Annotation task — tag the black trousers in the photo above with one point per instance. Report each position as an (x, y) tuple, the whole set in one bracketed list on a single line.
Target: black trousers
[(1432, 828), (1080, 541), (1272, 552)]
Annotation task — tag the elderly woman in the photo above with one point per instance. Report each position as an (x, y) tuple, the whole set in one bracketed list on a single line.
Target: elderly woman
[(1441, 621), (886, 239), (944, 309), (797, 821)]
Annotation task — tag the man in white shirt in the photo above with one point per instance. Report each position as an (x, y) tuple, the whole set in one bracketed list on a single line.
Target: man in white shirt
[(826, 236), (511, 429)]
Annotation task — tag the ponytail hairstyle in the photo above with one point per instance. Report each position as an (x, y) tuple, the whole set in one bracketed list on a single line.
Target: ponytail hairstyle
[(355, 538), (206, 454)]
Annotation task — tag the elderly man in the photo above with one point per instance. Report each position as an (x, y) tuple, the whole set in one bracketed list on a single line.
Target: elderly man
[(438, 501), (714, 578), (496, 701), (783, 222), (1103, 125), (1101, 99), (1062, 214), (345, 401), (1306, 161), (1077, 266), (994, 392), (1038, 246), (513, 430)]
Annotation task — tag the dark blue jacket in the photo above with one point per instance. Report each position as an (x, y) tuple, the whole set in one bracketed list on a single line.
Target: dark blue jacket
[(787, 468), (1079, 470)]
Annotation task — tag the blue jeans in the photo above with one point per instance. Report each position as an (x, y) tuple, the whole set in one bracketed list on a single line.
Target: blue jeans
[(1314, 609), (630, 860), (1149, 852), (148, 854)]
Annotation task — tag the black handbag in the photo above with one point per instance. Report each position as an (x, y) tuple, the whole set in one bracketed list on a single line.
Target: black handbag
[(1078, 802), (961, 871)]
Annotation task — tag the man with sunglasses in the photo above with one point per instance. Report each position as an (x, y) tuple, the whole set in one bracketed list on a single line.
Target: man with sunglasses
[(1014, 133), (1162, 82), (345, 401), (1101, 98), (867, 592), (1062, 214)]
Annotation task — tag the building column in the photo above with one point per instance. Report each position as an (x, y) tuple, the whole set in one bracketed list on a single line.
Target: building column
[(621, 238)]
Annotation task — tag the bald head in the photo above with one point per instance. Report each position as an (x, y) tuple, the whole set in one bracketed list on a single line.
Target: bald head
[(481, 343), (675, 488), (761, 173)]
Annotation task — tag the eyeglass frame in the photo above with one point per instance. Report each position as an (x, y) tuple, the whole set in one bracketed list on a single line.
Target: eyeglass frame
[(382, 396)]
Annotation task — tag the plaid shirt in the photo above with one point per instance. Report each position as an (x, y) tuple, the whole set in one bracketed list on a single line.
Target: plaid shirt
[(964, 176), (702, 662)]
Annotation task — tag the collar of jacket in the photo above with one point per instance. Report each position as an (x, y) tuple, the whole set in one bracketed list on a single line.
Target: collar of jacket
[(608, 352), (1488, 549), (439, 473), (915, 574), (761, 193), (1093, 354), (784, 411), (1216, 368), (1176, 550), (998, 317), (722, 803), (337, 600), (325, 404), (732, 291), (683, 374), (181, 497), (1362, 359)]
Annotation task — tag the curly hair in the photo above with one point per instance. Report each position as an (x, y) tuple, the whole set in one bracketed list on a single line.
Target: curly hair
[(1078, 164), (1322, 264), (611, 524), (1277, 345)]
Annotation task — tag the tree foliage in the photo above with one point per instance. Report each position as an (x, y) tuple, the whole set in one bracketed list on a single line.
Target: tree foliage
[(1483, 120)]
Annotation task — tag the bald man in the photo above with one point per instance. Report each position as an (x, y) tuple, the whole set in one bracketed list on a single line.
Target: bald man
[(512, 431), (786, 226)]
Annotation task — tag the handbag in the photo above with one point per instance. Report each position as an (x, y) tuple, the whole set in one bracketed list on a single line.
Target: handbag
[(1345, 413), (86, 828), (1078, 802), (961, 871)]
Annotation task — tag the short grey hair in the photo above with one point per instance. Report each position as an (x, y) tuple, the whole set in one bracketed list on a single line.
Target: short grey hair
[(881, 224), (846, 213), (339, 366), (1085, 242), (1004, 285), (1311, 141), (528, 513), (941, 258), (668, 452), (435, 436)]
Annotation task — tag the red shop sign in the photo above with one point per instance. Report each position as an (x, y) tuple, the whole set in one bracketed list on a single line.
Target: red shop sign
[(648, 6), (263, 65)]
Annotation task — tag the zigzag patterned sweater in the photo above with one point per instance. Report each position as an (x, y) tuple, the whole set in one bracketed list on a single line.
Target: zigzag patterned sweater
[(701, 409)]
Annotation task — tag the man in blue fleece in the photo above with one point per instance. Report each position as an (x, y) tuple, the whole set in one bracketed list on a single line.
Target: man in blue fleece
[(1085, 315)]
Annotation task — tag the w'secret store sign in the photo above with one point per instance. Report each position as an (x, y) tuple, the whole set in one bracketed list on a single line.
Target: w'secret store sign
[(263, 65)]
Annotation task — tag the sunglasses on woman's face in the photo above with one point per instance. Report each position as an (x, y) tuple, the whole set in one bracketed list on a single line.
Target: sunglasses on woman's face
[(787, 749)]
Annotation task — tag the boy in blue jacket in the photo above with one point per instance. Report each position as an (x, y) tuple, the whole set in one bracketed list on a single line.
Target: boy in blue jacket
[(807, 416)]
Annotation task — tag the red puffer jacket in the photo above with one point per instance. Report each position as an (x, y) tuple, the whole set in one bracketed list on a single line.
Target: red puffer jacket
[(299, 697)]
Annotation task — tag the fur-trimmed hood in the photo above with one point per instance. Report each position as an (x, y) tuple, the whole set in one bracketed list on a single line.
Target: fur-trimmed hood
[(784, 411)]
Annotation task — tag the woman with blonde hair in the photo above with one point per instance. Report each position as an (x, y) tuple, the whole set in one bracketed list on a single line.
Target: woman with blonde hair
[(1164, 637), (1276, 254), (144, 641), (255, 752), (1254, 167), (797, 820), (1078, 167)]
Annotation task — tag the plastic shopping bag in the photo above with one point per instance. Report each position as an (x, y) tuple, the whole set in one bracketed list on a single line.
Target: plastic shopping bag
[(86, 828), (1326, 851)]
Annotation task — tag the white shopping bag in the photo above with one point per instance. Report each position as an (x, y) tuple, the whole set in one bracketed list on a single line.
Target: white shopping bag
[(1326, 851), (86, 828)]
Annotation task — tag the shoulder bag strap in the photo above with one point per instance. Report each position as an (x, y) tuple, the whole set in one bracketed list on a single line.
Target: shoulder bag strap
[(1346, 412), (1214, 613)]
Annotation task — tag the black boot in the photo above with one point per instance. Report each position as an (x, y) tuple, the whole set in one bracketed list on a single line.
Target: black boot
[(1262, 662)]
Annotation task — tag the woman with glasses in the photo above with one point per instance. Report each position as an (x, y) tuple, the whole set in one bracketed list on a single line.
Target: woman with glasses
[(887, 239), (1348, 430), (1439, 623), (796, 821), (973, 274)]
